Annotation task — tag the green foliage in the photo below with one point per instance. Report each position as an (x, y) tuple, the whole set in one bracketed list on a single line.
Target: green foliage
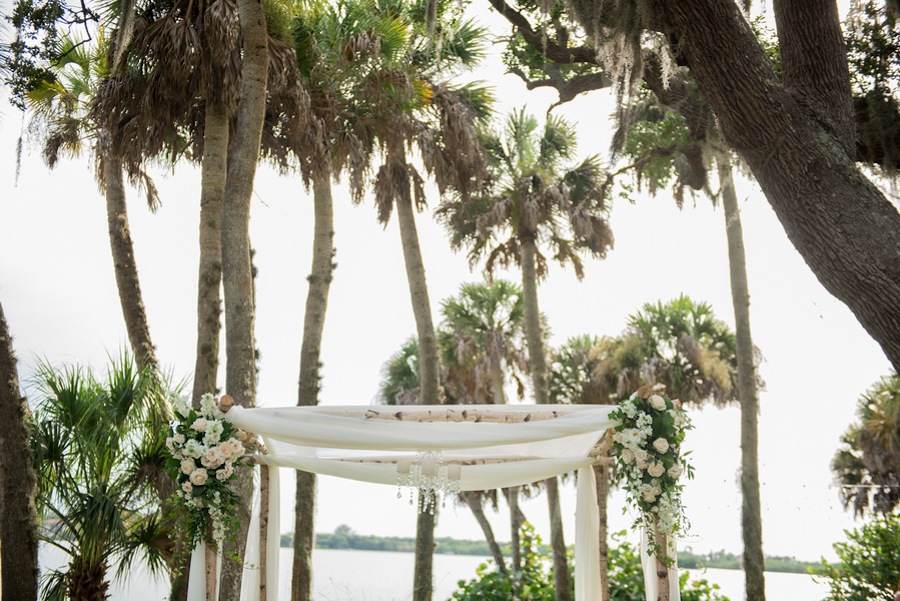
[(868, 569), (691, 351), (99, 457), (531, 583), (867, 464), (652, 143), (534, 582), (345, 537)]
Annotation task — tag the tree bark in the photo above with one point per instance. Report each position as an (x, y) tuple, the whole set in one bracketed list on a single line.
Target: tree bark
[(125, 267), (515, 524), (310, 352), (842, 225), (562, 580), (474, 504), (534, 337), (429, 388), (601, 474), (209, 279), (237, 276), (421, 304), (423, 587), (751, 512), (18, 483)]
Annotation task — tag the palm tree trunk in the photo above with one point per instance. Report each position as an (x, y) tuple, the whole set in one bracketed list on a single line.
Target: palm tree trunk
[(125, 268), (310, 351), (237, 276), (209, 283), (515, 524), (429, 390), (534, 337), (535, 340), (751, 513), (18, 483), (421, 304), (209, 280), (474, 504)]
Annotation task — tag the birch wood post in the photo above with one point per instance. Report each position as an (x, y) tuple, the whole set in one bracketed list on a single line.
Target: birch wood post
[(662, 570), (211, 580), (263, 526)]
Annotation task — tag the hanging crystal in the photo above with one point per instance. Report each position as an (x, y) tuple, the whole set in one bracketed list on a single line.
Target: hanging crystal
[(428, 473)]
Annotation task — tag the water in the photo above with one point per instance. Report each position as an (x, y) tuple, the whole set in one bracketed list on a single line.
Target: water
[(349, 575)]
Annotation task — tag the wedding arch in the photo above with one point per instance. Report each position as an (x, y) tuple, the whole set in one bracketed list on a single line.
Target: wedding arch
[(437, 449)]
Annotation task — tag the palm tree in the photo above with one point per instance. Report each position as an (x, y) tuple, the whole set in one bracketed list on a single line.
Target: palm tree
[(483, 327), (682, 346), (61, 105), (99, 460), (483, 347), (533, 197), (335, 80), (867, 466), (18, 515), (413, 104)]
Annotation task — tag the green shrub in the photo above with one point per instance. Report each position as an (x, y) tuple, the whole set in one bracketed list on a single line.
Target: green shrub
[(535, 580), (868, 568)]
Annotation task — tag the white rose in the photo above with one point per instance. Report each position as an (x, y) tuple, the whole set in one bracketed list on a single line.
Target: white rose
[(200, 424), (237, 448), (213, 458), (178, 438), (627, 456), (222, 475), (661, 445), (198, 477), (187, 487), (675, 471), (656, 470), (188, 466), (657, 402)]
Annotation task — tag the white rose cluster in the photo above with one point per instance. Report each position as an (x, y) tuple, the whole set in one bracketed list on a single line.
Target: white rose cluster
[(647, 444), (205, 452)]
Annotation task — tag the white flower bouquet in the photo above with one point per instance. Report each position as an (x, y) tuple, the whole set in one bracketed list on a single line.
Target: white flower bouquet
[(205, 452), (647, 445)]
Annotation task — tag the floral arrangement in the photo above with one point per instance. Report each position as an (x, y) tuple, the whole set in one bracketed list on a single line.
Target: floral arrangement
[(205, 452), (647, 444)]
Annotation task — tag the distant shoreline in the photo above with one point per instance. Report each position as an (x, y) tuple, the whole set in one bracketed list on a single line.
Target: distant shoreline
[(345, 538)]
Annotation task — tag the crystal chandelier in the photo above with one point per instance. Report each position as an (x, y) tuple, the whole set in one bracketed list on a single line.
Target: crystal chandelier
[(428, 473)]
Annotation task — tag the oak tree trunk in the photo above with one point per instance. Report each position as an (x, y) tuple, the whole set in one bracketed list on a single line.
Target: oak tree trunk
[(18, 483), (310, 351), (794, 135), (237, 276), (751, 511)]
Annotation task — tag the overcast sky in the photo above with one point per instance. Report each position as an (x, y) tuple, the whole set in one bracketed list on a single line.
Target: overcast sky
[(58, 291)]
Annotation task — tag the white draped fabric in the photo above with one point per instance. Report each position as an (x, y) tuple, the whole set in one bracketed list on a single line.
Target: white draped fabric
[(344, 442)]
